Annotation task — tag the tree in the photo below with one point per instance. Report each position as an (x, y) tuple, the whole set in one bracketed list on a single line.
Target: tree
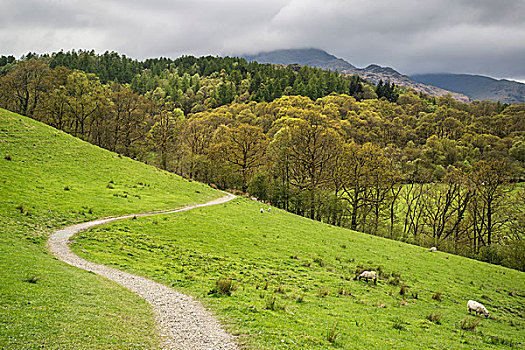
[(84, 97), (310, 147), (24, 86), (129, 116), (166, 126), (365, 178), (444, 207), (243, 145), (488, 181)]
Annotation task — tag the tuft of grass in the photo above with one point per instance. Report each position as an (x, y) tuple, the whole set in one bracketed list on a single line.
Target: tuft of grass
[(33, 279), (319, 261), (67, 188), (322, 292), (224, 286), (273, 304), (399, 324), (438, 296), (403, 290), (394, 281), (344, 292), (21, 208), (495, 340), (332, 333), (469, 324), (434, 317), (280, 289), (7, 157)]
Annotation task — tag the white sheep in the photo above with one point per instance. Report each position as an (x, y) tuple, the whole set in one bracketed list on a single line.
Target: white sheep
[(269, 209), (368, 275), (433, 249), (254, 198), (477, 307), (262, 210)]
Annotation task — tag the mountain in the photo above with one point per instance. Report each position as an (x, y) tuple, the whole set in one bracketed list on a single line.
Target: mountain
[(374, 73), (305, 57), (476, 87)]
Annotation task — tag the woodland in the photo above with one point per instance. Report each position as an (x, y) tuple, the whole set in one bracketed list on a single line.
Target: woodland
[(380, 159)]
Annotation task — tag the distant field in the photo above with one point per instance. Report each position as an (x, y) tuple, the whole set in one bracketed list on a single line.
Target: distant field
[(49, 179), (294, 280)]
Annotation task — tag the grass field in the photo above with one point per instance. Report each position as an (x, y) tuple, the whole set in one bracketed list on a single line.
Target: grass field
[(49, 179), (294, 281), (293, 277)]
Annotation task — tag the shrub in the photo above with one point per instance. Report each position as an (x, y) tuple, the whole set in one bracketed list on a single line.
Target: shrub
[(437, 296), (435, 317), (332, 333), (491, 254), (469, 325)]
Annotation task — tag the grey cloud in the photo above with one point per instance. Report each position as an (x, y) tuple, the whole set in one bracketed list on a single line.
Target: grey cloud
[(413, 36)]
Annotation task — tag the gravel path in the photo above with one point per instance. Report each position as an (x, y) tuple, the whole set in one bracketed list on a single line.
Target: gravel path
[(182, 321)]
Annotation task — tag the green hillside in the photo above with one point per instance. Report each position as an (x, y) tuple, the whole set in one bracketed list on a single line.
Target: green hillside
[(49, 179), (293, 277), (294, 280)]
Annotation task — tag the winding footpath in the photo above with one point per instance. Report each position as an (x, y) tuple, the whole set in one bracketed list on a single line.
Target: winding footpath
[(182, 321)]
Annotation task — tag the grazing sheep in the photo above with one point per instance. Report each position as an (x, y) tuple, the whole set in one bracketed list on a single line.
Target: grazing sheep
[(254, 198), (433, 249), (368, 275), (262, 210), (477, 307), (269, 209)]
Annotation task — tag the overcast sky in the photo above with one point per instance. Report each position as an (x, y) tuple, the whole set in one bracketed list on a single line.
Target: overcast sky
[(413, 36)]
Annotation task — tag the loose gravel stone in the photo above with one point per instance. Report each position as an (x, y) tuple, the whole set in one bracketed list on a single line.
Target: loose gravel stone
[(183, 322)]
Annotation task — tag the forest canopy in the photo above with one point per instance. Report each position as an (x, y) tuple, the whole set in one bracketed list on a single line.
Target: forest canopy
[(375, 158)]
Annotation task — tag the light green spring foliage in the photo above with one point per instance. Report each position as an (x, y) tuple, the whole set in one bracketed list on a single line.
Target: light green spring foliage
[(294, 280), (49, 179)]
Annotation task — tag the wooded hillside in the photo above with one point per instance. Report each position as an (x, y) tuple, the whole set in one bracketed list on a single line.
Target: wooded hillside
[(404, 165)]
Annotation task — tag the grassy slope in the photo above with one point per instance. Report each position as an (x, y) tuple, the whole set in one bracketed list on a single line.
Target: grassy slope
[(68, 308), (300, 258)]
